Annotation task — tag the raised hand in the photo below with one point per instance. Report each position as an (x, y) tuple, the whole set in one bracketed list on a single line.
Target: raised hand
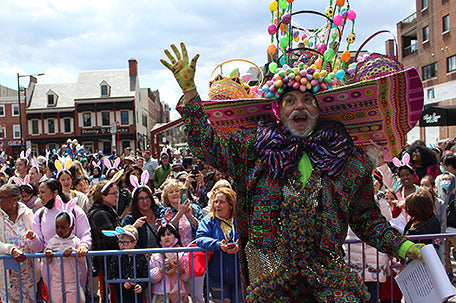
[(182, 69)]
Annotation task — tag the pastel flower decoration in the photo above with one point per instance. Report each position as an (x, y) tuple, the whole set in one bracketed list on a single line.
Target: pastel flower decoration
[(118, 231), (114, 179), (66, 207), (135, 182)]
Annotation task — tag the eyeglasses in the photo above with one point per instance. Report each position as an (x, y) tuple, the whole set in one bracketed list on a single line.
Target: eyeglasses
[(144, 199), (164, 157), (124, 243), (114, 193)]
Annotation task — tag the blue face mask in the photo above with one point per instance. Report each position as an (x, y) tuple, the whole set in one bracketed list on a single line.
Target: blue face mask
[(443, 170), (445, 184)]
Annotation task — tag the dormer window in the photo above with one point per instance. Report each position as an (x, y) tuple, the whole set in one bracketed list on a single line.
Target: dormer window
[(51, 98), (105, 89)]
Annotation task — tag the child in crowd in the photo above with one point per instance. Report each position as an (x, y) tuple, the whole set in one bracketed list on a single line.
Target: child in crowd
[(132, 266), (176, 269), (64, 242)]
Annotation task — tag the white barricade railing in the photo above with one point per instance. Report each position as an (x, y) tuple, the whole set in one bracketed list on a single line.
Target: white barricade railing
[(13, 286)]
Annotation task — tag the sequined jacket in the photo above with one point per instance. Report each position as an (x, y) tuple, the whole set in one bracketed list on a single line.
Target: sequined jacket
[(346, 199)]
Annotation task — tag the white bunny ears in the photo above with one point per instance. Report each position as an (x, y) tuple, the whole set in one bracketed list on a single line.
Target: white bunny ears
[(405, 161), (117, 232), (25, 155), (66, 208), (108, 164), (114, 179), (135, 182), (96, 164)]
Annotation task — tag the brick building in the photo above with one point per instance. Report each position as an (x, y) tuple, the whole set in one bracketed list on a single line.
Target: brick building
[(427, 40), (88, 110), (10, 139)]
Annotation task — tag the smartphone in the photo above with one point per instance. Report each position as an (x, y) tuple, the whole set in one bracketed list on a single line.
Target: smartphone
[(195, 169), (184, 194), (231, 245)]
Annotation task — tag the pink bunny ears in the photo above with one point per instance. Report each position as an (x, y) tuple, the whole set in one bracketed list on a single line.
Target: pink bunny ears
[(20, 182), (108, 164), (66, 208), (405, 161), (135, 182)]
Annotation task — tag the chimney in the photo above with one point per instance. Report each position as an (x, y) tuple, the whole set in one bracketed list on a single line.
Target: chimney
[(133, 66), (33, 79), (389, 47)]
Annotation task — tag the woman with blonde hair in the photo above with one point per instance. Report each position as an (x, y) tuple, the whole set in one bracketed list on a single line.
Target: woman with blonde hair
[(217, 232), (210, 195)]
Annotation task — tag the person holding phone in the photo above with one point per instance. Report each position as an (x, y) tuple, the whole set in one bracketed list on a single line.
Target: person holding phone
[(186, 218), (217, 232)]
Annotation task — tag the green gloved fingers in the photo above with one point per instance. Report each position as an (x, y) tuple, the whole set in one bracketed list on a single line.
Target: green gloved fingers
[(415, 252), (182, 69)]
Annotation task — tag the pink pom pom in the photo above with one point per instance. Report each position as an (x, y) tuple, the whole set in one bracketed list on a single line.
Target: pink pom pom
[(302, 88), (272, 29), (338, 20), (321, 47), (296, 85), (351, 15)]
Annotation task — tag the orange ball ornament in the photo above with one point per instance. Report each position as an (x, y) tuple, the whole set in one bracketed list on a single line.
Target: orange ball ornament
[(272, 49), (340, 2), (346, 56)]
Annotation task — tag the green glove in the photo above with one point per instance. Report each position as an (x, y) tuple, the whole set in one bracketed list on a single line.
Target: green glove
[(180, 67), (415, 252)]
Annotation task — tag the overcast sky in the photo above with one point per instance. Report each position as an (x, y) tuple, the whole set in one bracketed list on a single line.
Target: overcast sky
[(61, 38)]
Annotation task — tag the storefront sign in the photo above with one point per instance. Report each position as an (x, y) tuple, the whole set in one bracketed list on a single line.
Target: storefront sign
[(103, 131)]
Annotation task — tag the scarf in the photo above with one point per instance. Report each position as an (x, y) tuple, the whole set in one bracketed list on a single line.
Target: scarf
[(328, 146)]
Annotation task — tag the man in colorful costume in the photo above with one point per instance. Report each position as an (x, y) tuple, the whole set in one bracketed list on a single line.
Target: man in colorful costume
[(300, 181)]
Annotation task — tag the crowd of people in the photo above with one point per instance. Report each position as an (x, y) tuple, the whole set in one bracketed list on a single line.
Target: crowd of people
[(57, 204)]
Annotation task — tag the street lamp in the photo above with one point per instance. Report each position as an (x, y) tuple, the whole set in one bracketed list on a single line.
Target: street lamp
[(19, 104)]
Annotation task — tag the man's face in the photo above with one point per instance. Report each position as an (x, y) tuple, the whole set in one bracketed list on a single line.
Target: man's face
[(146, 156), (21, 167), (127, 152), (298, 112), (164, 160)]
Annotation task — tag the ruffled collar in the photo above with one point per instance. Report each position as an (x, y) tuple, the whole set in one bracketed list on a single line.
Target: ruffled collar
[(328, 146)]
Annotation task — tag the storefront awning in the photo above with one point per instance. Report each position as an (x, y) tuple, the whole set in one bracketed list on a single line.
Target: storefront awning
[(438, 115)]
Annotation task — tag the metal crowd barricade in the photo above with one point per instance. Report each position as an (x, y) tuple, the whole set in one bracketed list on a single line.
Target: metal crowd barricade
[(91, 288)]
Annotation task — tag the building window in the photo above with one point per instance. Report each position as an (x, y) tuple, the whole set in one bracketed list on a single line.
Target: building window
[(124, 117), (105, 119), (430, 93), (451, 63), (424, 4), (16, 131), (34, 127), (2, 110), (67, 125), (425, 34), (51, 101), (15, 110), (104, 90), (430, 71), (144, 120), (446, 23), (86, 119), (51, 126)]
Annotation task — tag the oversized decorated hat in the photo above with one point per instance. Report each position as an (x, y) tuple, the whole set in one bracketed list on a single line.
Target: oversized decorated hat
[(376, 100)]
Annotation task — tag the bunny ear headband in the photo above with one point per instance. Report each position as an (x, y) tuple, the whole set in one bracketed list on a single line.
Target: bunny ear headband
[(96, 164), (136, 184), (118, 231), (66, 208), (108, 164), (114, 179), (34, 163), (167, 217), (26, 154), (20, 182), (59, 164), (405, 161)]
